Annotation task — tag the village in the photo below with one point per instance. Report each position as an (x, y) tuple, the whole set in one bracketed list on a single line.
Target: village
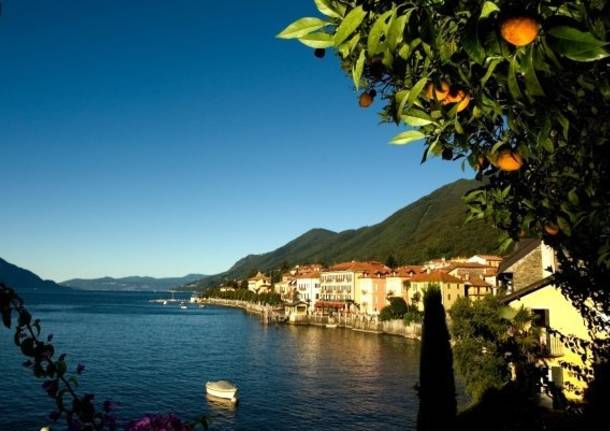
[(354, 294)]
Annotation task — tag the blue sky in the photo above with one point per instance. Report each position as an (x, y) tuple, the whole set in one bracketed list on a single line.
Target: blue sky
[(160, 138)]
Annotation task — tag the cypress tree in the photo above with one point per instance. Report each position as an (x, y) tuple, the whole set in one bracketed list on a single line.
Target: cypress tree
[(436, 390)]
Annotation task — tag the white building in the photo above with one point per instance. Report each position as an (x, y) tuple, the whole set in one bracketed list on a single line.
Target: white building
[(308, 288)]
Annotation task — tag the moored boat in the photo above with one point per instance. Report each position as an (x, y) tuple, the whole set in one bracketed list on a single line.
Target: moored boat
[(222, 389)]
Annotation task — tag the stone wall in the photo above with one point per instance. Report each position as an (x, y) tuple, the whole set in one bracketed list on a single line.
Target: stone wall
[(527, 270), (355, 322)]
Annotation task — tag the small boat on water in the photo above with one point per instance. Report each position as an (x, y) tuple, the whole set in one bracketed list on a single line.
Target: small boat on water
[(331, 325), (183, 306), (222, 389), (164, 302), (201, 305)]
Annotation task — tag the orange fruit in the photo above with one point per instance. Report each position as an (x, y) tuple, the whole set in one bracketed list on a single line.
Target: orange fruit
[(509, 161), (463, 104), (438, 93), (365, 100), (458, 96), (520, 30), (551, 228)]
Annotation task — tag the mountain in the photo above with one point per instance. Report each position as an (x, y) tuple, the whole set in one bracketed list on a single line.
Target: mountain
[(430, 227), (24, 281), (133, 283)]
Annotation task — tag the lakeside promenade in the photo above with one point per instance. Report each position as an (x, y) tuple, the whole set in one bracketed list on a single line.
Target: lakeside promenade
[(355, 322)]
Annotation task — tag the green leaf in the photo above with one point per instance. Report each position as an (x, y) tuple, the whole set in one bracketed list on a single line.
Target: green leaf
[(573, 197), (564, 225), (417, 89), (577, 45), (330, 8), (543, 138), (407, 137), (349, 46), (565, 124), (532, 85), (471, 43), (507, 313), (302, 27), (513, 85), (358, 68), (396, 31), (570, 33), (349, 24), (416, 118), (379, 29), (490, 70), (488, 8), (404, 51), (318, 40)]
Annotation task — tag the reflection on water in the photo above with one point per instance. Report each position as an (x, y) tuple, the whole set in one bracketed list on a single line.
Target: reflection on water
[(155, 358)]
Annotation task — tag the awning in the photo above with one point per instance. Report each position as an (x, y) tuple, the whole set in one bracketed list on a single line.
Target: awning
[(332, 304)]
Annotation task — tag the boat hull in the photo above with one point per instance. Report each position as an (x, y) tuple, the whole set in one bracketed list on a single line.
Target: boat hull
[(227, 393)]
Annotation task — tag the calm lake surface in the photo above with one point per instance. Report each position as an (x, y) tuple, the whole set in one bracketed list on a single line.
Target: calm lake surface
[(155, 358)]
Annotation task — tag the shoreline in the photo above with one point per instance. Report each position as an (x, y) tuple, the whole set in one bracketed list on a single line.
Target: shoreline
[(275, 314)]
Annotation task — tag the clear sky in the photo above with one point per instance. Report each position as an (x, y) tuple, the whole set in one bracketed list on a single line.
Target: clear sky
[(160, 138)]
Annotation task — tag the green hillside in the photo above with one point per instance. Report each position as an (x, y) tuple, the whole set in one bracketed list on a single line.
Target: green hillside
[(431, 227)]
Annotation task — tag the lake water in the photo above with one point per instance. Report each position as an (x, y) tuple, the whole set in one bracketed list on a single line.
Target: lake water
[(155, 358)]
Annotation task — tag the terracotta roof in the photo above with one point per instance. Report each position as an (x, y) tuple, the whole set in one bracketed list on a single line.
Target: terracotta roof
[(523, 248), (436, 277), (355, 266), (469, 265), (477, 282), (489, 256), (313, 274), (528, 289), (406, 271)]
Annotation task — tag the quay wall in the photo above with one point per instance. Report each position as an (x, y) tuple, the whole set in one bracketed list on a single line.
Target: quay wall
[(354, 322)]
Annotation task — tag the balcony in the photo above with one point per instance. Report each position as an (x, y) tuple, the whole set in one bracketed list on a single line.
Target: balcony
[(552, 347)]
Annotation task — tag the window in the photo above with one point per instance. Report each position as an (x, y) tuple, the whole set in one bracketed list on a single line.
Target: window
[(449, 297)]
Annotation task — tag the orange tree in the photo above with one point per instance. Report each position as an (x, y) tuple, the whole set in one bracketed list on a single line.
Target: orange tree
[(517, 90)]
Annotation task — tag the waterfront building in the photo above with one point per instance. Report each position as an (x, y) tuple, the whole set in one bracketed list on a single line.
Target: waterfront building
[(397, 282), (339, 284), (308, 288), (451, 288), (486, 259), (480, 279), (531, 262), (227, 289), (372, 293), (435, 264), (286, 287), (260, 283)]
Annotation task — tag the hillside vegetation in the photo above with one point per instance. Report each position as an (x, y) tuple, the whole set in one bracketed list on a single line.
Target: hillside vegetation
[(430, 227)]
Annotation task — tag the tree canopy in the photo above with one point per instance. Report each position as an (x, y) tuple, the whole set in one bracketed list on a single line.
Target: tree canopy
[(517, 90)]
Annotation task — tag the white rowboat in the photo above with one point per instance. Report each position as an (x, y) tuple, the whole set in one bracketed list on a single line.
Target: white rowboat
[(222, 389)]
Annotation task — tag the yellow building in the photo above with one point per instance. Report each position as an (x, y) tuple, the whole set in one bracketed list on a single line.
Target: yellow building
[(553, 311), (451, 288), (260, 283), (527, 276)]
